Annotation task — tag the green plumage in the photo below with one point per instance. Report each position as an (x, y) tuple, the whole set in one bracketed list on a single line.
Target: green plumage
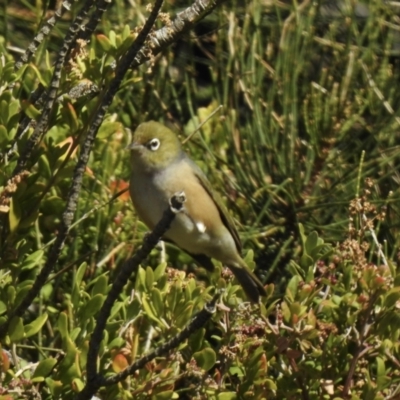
[(204, 229)]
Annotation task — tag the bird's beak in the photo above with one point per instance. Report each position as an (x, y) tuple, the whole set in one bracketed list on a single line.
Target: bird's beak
[(134, 146)]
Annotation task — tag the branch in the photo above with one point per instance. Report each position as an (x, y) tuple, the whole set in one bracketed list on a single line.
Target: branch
[(94, 380), (89, 28), (362, 348), (80, 168), (183, 22), (46, 29), (38, 96), (197, 322), (43, 122)]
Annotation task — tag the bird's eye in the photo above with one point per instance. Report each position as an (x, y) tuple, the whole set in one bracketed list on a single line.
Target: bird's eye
[(153, 144)]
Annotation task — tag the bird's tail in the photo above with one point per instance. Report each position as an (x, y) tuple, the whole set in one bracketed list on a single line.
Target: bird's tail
[(250, 283)]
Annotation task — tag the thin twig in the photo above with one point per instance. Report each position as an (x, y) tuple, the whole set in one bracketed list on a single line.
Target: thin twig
[(361, 347), (42, 124), (373, 234), (201, 125), (183, 22), (44, 31), (94, 380), (195, 324), (38, 96), (101, 7)]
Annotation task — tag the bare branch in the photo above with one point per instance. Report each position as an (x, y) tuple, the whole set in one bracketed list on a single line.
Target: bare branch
[(183, 22), (93, 379), (195, 324), (44, 31)]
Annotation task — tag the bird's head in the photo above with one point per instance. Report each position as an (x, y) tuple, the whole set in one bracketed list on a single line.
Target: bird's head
[(154, 146)]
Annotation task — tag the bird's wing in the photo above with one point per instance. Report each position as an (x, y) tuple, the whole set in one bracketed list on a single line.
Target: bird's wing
[(225, 216), (204, 261)]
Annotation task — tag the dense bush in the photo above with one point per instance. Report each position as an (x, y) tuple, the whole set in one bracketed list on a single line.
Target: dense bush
[(300, 136)]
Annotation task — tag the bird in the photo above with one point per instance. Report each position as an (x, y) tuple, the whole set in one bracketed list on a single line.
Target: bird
[(204, 229)]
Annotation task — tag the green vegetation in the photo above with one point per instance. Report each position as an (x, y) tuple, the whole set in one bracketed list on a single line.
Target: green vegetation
[(301, 139)]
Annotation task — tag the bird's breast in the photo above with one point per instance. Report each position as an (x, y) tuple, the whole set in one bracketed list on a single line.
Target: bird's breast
[(150, 195)]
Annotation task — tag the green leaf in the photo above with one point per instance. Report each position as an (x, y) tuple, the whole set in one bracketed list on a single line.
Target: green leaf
[(71, 117), (117, 343), (22, 290), (101, 285), (149, 279), (183, 315), (71, 353), (306, 261), (311, 242), (46, 291), (13, 109), (75, 295), (32, 260), (249, 260), (109, 128), (317, 250), (77, 384), (112, 37), (286, 312), (44, 166), (16, 329), (126, 32), (55, 387), (174, 295), (295, 269), (11, 294), (164, 395), (92, 306), (196, 340), (43, 369), (380, 367), (14, 215), (157, 301), (160, 271), (62, 324), (297, 309), (38, 74), (3, 136), (293, 287), (392, 297), (237, 371), (302, 236), (75, 333), (270, 384), (382, 380), (227, 396), (255, 357), (117, 306), (80, 274), (347, 277), (133, 309), (141, 277), (205, 358), (150, 312), (35, 326), (4, 112), (30, 110)]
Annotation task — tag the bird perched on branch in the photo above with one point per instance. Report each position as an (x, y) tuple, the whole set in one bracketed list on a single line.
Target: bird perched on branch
[(204, 229)]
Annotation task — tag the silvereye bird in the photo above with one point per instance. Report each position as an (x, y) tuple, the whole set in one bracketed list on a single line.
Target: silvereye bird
[(204, 229)]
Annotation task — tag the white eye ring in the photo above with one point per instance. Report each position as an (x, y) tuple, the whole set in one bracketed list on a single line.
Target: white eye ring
[(153, 144)]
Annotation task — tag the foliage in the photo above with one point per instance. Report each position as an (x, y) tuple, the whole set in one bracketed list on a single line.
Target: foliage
[(308, 95)]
